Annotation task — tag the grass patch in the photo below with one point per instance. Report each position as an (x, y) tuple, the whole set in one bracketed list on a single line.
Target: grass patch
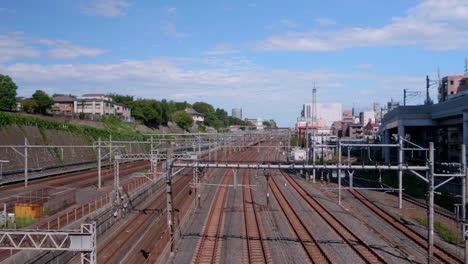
[(445, 233), (113, 127), (22, 222)]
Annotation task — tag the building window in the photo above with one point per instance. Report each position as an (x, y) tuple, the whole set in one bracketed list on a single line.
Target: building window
[(451, 82)]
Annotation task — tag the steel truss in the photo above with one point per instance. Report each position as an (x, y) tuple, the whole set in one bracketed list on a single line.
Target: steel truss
[(83, 240)]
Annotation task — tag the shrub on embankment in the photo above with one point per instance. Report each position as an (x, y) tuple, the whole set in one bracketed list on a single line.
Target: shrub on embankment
[(89, 132)]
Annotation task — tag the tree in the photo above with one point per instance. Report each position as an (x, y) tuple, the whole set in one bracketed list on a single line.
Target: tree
[(182, 119), (28, 105), (7, 93), (147, 110), (204, 108), (60, 94), (43, 101), (122, 99)]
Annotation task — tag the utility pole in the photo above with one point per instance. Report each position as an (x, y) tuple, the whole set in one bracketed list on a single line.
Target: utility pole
[(466, 65), (400, 172), (463, 171), (25, 162), (430, 206), (338, 171), (169, 202), (404, 97), (428, 84), (99, 163)]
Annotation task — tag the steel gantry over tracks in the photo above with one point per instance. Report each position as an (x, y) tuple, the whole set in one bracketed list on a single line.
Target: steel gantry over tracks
[(83, 240)]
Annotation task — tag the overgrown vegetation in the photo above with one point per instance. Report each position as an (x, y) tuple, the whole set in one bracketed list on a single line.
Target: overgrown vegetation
[(445, 233), (25, 221), (297, 141), (89, 132)]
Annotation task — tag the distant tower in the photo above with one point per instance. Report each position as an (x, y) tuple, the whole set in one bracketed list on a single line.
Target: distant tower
[(376, 107), (466, 65), (237, 113), (314, 107)]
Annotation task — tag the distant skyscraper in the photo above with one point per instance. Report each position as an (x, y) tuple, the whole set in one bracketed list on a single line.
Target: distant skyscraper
[(328, 112), (376, 107), (237, 112)]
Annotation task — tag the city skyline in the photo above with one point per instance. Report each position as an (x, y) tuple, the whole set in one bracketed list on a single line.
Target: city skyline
[(265, 63)]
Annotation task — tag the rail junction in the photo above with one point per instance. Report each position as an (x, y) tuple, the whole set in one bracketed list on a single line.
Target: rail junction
[(236, 198)]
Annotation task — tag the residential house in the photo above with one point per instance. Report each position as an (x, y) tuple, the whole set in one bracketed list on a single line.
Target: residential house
[(63, 105), (19, 102), (124, 112), (197, 117)]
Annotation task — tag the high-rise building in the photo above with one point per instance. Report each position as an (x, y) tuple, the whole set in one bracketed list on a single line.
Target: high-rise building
[(237, 112), (366, 117), (327, 112), (451, 86), (376, 107)]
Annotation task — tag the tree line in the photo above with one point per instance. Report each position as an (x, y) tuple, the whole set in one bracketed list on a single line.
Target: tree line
[(151, 112), (154, 113)]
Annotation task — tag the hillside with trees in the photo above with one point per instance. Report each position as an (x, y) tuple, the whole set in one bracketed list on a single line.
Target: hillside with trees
[(150, 112), (154, 113)]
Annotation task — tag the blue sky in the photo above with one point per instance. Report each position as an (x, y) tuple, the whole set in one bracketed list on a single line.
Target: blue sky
[(263, 56)]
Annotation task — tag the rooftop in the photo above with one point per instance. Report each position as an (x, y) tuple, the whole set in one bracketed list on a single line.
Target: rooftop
[(63, 98), (192, 111)]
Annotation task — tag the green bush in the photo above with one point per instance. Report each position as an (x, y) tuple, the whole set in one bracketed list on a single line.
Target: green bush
[(89, 132)]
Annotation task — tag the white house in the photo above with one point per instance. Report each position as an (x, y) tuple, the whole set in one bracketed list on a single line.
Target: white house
[(197, 117)]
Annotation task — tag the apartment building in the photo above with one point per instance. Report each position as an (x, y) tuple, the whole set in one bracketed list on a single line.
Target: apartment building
[(96, 105)]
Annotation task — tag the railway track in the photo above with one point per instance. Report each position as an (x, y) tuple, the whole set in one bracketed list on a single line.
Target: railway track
[(74, 176), (257, 247), (208, 249), (353, 240), (80, 211), (136, 226), (312, 248), (439, 253)]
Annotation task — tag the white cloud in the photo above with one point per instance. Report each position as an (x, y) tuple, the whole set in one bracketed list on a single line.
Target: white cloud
[(223, 82), (108, 8), (16, 46), (66, 50), (171, 10), (323, 21), (222, 49), (432, 24), (169, 29)]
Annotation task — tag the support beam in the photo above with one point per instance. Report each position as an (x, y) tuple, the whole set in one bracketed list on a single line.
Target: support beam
[(99, 163), (338, 171), (464, 180), (169, 199), (400, 171), (25, 162), (299, 166), (386, 150), (313, 161), (234, 178), (430, 205)]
